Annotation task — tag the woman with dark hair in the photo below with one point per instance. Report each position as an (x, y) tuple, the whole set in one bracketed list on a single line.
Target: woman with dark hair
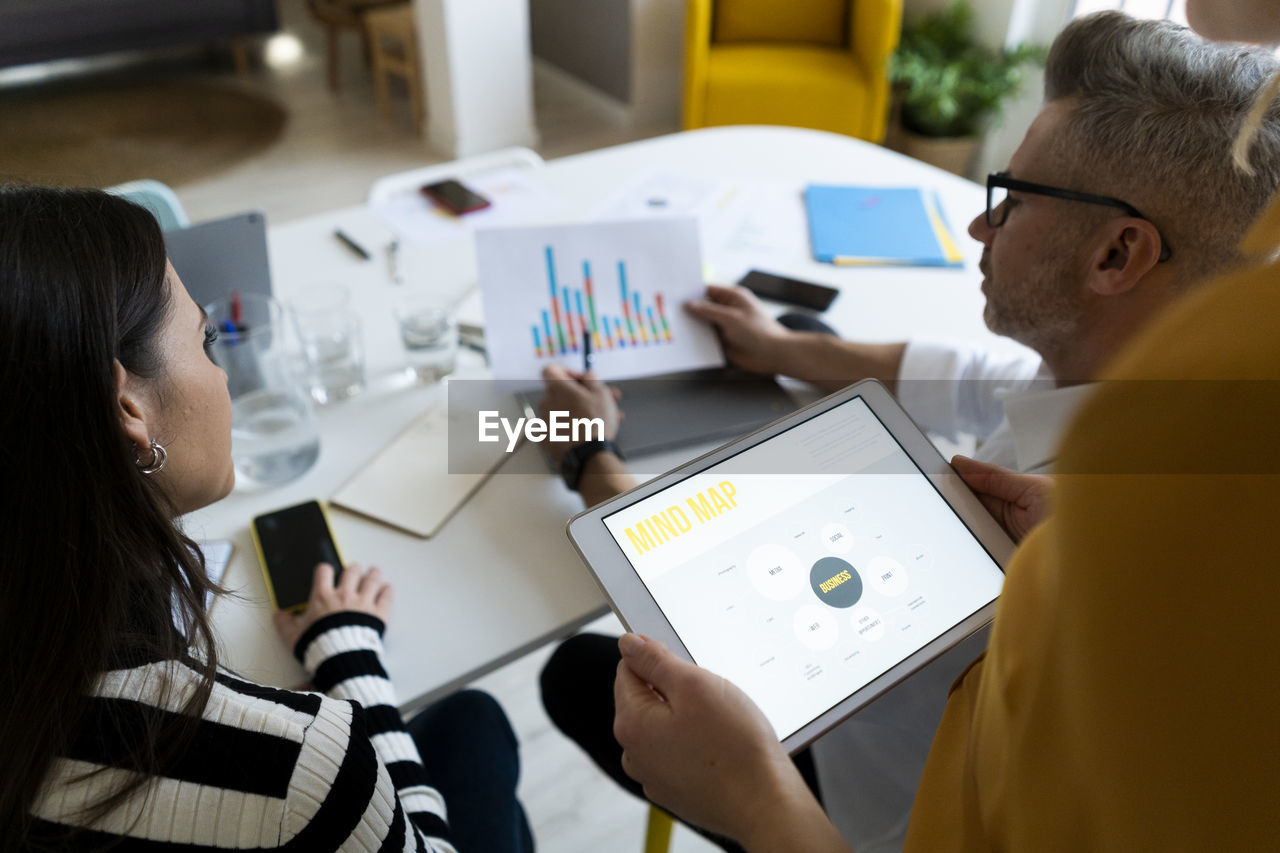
[(120, 730)]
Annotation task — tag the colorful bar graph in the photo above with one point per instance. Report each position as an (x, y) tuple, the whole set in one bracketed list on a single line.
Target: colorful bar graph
[(574, 314), (626, 303), (591, 303), (555, 304), (662, 315), (639, 315), (582, 321), (568, 321)]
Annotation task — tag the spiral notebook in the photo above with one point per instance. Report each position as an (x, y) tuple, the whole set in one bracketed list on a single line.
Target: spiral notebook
[(879, 226)]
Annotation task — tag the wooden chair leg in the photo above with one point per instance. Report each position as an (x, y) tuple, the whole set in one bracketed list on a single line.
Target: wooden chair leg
[(415, 83), (415, 95), (382, 91), (333, 57), (240, 56)]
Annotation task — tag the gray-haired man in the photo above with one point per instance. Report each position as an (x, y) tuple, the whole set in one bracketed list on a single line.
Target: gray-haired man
[(1121, 197)]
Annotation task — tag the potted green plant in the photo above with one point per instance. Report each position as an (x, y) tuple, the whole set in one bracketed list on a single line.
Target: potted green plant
[(948, 86)]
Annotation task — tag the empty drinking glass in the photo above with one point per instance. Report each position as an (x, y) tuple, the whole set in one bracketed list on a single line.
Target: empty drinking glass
[(330, 335), (428, 331)]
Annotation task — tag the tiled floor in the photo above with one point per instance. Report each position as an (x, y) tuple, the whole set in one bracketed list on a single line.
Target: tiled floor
[(332, 149)]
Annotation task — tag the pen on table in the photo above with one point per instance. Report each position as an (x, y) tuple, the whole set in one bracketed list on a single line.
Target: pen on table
[(473, 345), (351, 244), (586, 351), (393, 261)]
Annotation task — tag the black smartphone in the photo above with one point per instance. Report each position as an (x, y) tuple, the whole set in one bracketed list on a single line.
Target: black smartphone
[(290, 542), (779, 288), (454, 197)]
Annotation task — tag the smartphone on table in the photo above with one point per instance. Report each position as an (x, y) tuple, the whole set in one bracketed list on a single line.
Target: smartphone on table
[(792, 291), (454, 196), (290, 542)]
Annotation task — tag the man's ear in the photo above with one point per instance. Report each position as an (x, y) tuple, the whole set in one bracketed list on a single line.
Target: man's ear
[(130, 408), (1129, 250)]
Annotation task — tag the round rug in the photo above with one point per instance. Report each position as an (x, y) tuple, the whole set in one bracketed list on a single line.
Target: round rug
[(99, 135)]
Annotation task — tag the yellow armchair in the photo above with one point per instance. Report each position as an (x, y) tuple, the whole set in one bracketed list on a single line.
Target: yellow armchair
[(805, 63)]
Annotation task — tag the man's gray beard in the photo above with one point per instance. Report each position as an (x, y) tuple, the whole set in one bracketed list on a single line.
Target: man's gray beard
[(1045, 328)]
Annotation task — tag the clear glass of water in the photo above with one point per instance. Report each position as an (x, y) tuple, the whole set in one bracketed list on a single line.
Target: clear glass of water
[(274, 438), (331, 337), (429, 332)]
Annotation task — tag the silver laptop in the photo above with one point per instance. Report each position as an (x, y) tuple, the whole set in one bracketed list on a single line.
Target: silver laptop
[(216, 257)]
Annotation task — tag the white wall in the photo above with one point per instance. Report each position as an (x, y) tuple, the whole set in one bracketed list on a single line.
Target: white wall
[(657, 61), (477, 74)]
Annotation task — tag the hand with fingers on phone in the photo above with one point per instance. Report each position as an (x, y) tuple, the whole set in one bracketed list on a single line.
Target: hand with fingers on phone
[(358, 590)]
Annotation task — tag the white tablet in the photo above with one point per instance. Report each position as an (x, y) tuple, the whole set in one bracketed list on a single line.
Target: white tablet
[(814, 563)]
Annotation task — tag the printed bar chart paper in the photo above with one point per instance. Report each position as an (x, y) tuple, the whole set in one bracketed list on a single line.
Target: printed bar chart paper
[(548, 289)]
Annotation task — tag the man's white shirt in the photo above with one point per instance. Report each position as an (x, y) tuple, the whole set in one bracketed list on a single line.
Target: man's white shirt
[(1008, 403), (869, 766)]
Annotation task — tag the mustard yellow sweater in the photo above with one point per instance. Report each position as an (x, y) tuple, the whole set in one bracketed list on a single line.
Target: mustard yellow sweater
[(1130, 696)]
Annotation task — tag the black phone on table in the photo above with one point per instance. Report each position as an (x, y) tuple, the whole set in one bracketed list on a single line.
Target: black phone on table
[(792, 291), (290, 542), (454, 196)]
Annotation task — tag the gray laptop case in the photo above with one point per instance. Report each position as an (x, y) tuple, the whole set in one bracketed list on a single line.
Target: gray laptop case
[(678, 409)]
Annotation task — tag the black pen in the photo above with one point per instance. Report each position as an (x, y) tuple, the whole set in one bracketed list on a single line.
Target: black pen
[(352, 244), (586, 350)]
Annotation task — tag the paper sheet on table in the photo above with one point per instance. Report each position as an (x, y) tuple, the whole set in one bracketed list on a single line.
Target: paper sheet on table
[(763, 225), (408, 485), (663, 193), (513, 195), (623, 283)]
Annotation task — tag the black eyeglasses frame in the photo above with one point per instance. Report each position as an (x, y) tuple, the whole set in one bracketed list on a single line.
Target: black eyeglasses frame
[(1003, 181)]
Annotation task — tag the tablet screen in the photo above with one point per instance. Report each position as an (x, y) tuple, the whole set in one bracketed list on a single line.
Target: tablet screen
[(804, 567)]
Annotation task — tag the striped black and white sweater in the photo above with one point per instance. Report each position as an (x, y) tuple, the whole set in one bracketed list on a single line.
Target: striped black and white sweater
[(268, 769)]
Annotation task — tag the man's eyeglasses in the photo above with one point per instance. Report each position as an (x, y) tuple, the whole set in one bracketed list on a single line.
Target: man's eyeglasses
[(999, 185)]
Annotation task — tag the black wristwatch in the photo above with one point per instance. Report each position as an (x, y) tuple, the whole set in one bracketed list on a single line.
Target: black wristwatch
[(575, 459)]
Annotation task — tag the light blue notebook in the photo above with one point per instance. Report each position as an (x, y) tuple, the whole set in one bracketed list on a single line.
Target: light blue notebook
[(876, 226)]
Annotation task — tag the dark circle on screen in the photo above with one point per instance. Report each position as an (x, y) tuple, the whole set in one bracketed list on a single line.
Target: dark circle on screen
[(843, 585)]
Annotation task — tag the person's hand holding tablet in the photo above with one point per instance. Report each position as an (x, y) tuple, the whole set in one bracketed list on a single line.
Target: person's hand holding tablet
[(814, 563), (1018, 501), (702, 748)]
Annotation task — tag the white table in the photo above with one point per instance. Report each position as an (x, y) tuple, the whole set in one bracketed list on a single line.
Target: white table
[(500, 579)]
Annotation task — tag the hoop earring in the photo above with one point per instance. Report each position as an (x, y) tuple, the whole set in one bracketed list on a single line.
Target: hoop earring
[(159, 456)]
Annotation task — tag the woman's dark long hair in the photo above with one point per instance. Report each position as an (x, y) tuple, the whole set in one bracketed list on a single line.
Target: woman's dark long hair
[(91, 562)]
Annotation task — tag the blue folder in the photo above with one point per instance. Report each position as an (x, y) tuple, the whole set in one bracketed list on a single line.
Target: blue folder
[(877, 226)]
